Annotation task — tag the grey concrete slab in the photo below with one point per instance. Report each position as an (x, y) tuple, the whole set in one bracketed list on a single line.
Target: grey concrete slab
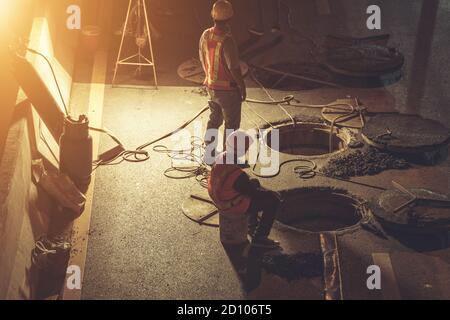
[(141, 246)]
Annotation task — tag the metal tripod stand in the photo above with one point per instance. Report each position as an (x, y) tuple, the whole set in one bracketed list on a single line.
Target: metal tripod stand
[(142, 35)]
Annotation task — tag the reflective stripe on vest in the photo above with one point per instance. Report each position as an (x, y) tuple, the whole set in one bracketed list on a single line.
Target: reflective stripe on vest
[(220, 187), (218, 76)]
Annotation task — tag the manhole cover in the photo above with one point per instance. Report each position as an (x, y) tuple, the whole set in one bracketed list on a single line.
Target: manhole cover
[(422, 225), (421, 214), (200, 209), (408, 134), (364, 60), (320, 210), (306, 139)]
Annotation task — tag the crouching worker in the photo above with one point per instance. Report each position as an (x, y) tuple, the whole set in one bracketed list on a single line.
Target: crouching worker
[(234, 192)]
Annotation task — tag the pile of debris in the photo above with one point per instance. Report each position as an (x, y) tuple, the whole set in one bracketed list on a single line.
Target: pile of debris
[(369, 161), (293, 267)]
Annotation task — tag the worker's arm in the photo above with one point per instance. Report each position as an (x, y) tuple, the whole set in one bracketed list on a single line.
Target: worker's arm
[(201, 52), (237, 75), (234, 65), (246, 186)]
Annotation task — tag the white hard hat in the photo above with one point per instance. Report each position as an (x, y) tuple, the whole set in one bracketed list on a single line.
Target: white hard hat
[(222, 10)]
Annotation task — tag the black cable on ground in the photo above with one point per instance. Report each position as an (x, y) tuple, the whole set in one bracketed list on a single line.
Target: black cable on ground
[(305, 171), (191, 164), (308, 170), (197, 168), (140, 154)]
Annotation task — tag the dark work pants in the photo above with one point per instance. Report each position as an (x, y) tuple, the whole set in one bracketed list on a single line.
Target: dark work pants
[(224, 106), (266, 202)]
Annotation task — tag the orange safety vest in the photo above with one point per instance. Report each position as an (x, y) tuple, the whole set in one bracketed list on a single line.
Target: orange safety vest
[(220, 188), (218, 75)]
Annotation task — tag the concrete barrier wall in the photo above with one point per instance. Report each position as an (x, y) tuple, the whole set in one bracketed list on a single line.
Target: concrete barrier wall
[(23, 216), (20, 223), (50, 36)]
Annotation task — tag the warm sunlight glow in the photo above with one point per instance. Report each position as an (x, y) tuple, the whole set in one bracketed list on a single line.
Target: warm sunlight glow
[(5, 7)]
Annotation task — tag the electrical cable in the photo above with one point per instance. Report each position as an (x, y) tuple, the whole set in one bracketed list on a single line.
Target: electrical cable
[(139, 154), (198, 168), (332, 106), (192, 164), (307, 170), (273, 99)]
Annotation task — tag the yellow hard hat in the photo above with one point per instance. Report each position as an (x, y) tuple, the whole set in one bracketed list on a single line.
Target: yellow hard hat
[(222, 10)]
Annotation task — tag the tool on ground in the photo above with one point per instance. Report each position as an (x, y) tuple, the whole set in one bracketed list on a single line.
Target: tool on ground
[(201, 209), (143, 38), (76, 151), (120, 153), (196, 197), (208, 216), (332, 266), (62, 127), (60, 187), (416, 200)]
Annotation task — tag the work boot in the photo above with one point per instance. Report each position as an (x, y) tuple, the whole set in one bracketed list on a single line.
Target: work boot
[(265, 243)]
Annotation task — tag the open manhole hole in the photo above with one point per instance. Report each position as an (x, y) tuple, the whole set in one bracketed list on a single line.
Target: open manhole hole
[(320, 210), (306, 139)]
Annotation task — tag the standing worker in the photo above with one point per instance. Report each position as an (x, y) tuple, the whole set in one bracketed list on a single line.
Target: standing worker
[(224, 81), (233, 192)]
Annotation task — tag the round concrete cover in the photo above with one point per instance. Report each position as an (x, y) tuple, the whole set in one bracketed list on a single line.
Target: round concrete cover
[(198, 208), (420, 215), (364, 60), (408, 132)]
